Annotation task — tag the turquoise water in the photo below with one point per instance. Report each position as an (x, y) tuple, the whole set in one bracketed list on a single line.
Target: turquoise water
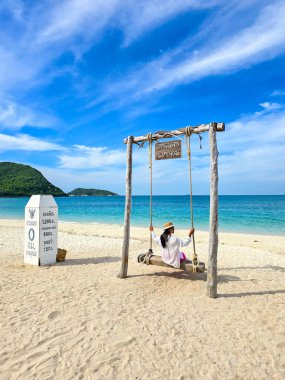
[(264, 214)]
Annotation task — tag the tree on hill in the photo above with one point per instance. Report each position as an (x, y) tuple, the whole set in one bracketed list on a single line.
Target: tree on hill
[(23, 180)]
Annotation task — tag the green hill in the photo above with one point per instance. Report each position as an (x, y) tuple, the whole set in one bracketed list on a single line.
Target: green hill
[(18, 180), (90, 192)]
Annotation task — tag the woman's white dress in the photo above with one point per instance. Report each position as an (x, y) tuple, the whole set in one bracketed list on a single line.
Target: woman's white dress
[(170, 254)]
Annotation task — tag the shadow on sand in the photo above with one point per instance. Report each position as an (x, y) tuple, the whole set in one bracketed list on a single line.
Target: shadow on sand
[(90, 260), (246, 294), (180, 275), (188, 276), (271, 267)]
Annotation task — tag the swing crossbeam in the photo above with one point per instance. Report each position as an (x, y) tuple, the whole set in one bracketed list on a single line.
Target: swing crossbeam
[(219, 127), (186, 266)]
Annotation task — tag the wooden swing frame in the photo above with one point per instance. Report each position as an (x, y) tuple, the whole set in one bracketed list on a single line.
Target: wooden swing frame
[(212, 128)]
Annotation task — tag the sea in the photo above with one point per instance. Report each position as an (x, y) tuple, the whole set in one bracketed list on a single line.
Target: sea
[(251, 214)]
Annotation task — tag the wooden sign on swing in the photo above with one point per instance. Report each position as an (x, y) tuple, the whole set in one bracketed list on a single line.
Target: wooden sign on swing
[(168, 150)]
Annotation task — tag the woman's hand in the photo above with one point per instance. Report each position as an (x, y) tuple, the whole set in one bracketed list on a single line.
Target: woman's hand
[(191, 232), (151, 228)]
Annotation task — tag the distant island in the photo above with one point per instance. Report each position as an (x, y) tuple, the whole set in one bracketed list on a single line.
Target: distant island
[(80, 192), (17, 180)]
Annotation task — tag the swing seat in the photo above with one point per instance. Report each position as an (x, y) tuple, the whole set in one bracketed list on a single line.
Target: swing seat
[(187, 265)]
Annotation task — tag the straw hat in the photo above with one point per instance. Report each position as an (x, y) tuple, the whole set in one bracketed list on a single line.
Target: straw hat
[(167, 225)]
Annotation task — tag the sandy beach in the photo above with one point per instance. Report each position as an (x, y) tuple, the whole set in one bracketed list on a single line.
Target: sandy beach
[(77, 320)]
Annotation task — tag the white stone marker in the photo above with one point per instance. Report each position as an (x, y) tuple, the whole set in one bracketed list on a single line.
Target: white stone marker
[(41, 220)]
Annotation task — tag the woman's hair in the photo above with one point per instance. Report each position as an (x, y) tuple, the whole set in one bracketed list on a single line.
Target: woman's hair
[(164, 237)]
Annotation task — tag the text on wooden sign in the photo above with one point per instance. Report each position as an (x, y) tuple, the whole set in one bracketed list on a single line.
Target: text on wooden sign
[(168, 150)]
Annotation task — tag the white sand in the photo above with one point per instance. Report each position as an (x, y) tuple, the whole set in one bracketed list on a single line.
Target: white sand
[(77, 320)]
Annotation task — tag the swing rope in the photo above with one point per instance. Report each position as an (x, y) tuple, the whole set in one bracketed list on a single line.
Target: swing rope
[(149, 138), (188, 132)]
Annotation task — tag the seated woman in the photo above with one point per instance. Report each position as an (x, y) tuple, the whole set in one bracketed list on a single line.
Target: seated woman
[(170, 244)]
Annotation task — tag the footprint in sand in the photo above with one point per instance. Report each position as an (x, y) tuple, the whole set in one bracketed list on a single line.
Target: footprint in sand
[(53, 315), (119, 338)]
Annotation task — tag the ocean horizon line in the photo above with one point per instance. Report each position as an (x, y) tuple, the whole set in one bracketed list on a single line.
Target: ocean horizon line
[(262, 214), (146, 195)]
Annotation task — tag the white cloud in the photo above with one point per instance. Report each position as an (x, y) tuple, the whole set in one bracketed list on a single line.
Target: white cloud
[(26, 142), (254, 130), (278, 93), (15, 7), (257, 43), (261, 41), (84, 157), (46, 30), (87, 157), (146, 15), (86, 18), (14, 116), (69, 19), (251, 151), (271, 106)]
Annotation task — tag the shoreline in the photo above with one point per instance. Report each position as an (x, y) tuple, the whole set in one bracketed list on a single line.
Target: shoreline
[(13, 220)]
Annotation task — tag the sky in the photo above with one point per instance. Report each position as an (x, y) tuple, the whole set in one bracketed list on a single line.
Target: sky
[(79, 76)]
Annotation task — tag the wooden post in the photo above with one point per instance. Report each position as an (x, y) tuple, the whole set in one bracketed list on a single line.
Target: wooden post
[(213, 232), (128, 201)]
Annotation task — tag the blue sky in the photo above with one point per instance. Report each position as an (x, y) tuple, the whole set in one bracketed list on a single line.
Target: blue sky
[(78, 76)]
